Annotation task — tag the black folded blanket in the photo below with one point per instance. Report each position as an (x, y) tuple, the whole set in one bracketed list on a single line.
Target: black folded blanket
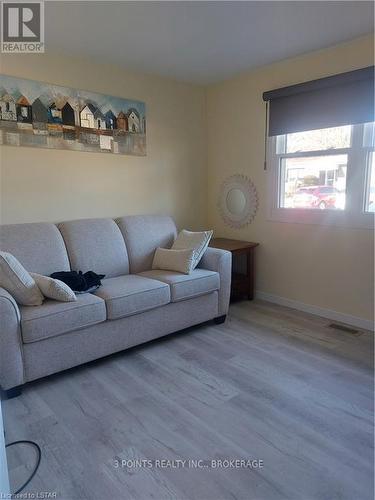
[(80, 282)]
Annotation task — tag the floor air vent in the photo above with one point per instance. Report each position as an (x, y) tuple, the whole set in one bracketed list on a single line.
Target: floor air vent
[(344, 328)]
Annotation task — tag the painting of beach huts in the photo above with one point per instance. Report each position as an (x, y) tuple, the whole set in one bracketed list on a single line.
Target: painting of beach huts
[(43, 115)]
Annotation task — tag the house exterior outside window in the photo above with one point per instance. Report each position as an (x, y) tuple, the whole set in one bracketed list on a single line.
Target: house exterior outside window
[(323, 176)]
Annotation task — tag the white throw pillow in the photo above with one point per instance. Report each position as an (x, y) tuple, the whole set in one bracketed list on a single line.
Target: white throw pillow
[(18, 282), (54, 289), (197, 241), (174, 260)]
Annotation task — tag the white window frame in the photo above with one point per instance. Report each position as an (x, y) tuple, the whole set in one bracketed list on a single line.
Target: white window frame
[(354, 214), (368, 178)]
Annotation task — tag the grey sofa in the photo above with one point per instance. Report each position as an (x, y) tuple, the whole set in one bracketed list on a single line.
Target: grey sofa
[(134, 304)]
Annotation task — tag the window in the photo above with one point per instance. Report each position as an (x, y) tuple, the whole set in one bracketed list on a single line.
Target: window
[(313, 140), (309, 177), (324, 176), (320, 150)]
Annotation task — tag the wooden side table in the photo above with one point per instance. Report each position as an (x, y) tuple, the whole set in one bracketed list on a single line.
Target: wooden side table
[(242, 282)]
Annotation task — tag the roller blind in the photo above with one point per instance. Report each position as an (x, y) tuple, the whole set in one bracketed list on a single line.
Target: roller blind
[(344, 99)]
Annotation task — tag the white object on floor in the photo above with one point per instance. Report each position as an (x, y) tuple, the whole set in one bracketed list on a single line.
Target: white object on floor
[(4, 478)]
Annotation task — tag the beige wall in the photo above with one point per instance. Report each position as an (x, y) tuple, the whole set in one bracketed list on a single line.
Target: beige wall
[(52, 185), (326, 267)]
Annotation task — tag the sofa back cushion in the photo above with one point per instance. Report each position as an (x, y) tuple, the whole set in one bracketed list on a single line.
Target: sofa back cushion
[(143, 234), (38, 246), (95, 245)]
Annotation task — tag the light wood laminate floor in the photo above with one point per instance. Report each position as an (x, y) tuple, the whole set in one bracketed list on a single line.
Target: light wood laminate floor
[(271, 384)]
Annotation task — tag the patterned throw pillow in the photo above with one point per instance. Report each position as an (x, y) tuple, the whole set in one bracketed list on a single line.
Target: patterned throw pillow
[(54, 289), (197, 241), (18, 282)]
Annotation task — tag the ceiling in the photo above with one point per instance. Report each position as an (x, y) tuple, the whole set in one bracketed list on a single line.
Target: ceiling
[(201, 42)]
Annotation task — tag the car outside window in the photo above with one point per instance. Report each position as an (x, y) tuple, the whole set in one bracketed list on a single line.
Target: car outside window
[(323, 171)]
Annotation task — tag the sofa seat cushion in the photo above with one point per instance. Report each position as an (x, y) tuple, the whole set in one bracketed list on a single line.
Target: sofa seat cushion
[(186, 286), (54, 318), (132, 294)]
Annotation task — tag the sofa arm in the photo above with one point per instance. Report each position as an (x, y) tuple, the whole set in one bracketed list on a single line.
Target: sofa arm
[(215, 259), (11, 362)]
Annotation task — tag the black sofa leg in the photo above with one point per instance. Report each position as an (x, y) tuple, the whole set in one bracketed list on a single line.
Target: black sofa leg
[(13, 393), (220, 319)]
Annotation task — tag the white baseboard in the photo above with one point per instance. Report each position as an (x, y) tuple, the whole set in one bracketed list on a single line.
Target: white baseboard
[(348, 319)]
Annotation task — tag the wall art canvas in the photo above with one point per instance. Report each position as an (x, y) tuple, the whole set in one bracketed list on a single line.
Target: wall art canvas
[(42, 115)]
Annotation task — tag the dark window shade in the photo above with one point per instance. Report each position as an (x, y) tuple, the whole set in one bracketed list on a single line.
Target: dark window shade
[(343, 99)]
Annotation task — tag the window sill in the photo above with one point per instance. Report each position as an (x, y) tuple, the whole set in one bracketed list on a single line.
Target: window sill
[(323, 218)]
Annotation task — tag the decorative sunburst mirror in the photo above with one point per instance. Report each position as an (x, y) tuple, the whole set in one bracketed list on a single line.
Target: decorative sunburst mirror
[(238, 201)]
